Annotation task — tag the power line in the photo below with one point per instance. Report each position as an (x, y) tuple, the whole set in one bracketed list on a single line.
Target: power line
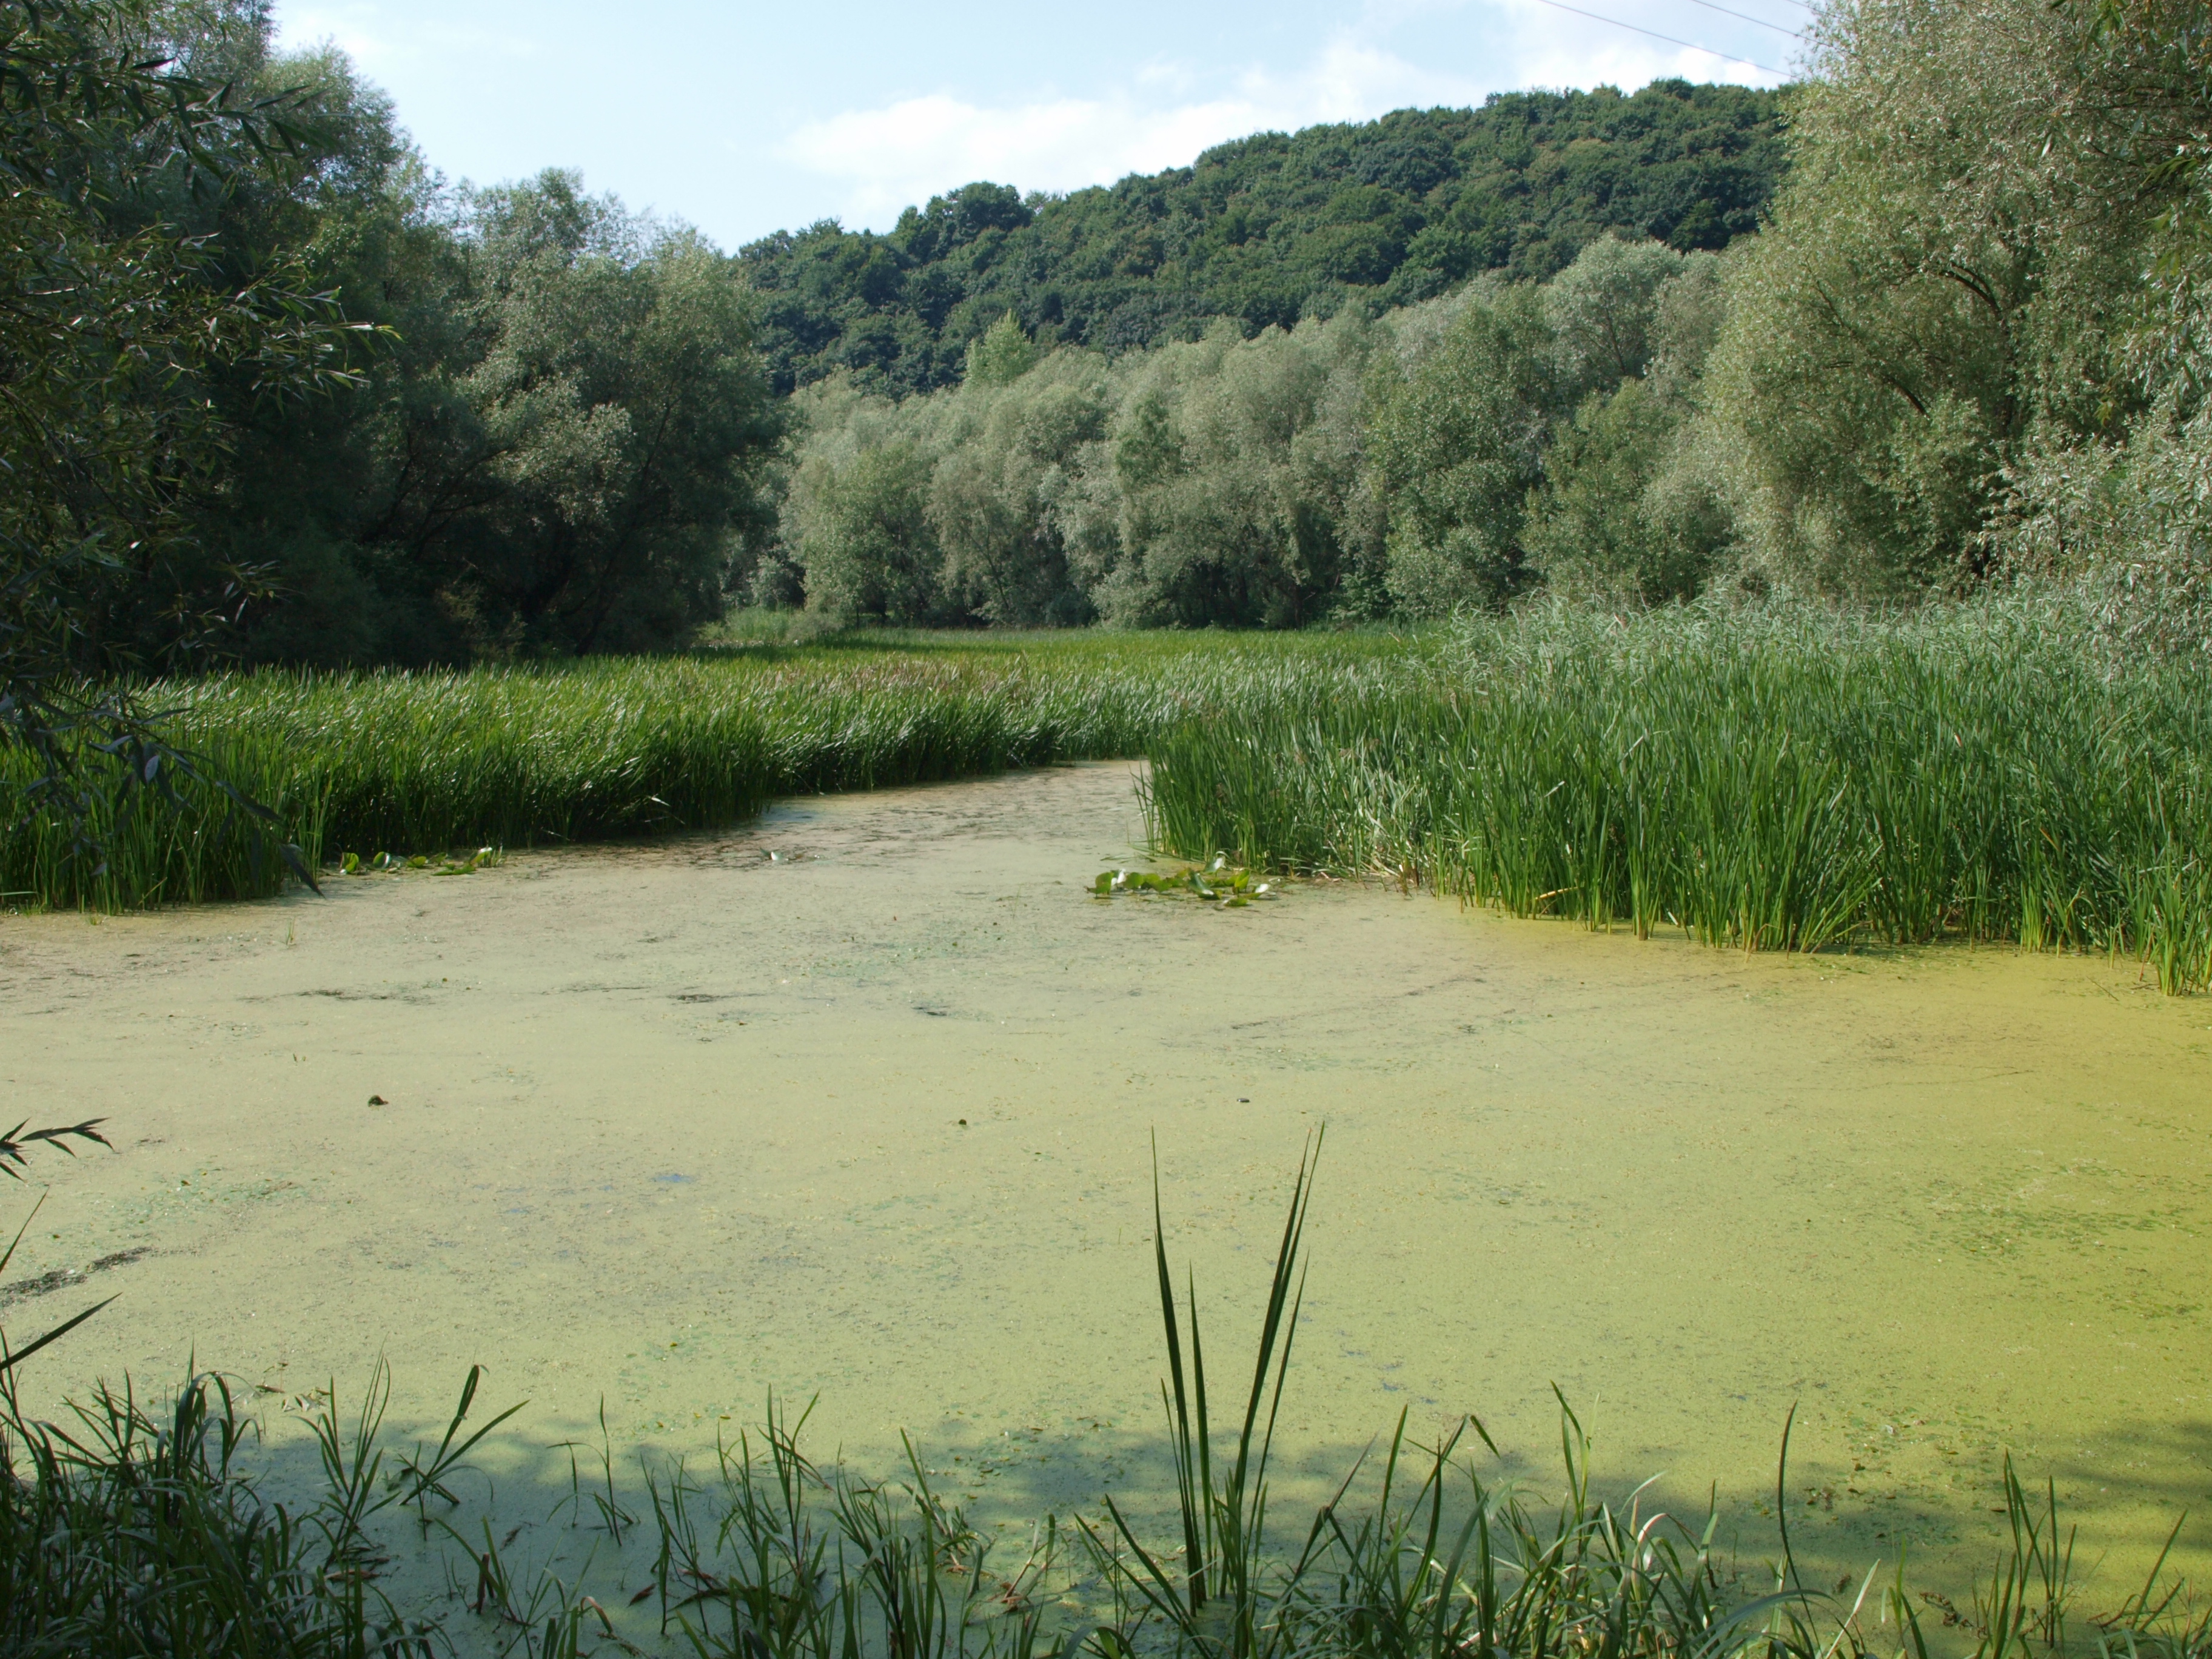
[(1635, 28), (1746, 17)]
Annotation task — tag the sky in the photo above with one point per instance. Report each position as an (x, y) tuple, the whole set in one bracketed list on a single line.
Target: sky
[(745, 119)]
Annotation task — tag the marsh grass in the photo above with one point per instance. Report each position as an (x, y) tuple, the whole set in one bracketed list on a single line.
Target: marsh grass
[(129, 1531), (772, 1558), (187, 843), (1769, 780), (415, 765), (1777, 778)]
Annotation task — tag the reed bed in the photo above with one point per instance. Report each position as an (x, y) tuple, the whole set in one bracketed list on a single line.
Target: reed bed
[(414, 764), (1770, 779)]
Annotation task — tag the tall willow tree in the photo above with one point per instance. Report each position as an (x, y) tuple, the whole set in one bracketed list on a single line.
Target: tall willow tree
[(556, 445), (1212, 481), (573, 473), (1946, 286), (1456, 442), (114, 318)]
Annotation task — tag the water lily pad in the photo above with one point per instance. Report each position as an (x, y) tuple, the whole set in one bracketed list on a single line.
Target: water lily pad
[(1217, 883)]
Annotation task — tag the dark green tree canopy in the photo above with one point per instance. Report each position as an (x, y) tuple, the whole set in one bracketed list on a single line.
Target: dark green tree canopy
[(1269, 230), (121, 328)]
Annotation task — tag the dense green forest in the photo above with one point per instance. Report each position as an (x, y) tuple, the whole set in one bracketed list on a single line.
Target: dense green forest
[(1967, 346), (519, 419), (1269, 230), (283, 393)]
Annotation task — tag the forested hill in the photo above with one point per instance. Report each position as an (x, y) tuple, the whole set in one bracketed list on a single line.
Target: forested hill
[(1270, 228)]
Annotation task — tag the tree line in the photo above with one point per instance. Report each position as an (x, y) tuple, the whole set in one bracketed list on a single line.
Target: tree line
[(1968, 344), (276, 390), (1348, 468), (1269, 230), (527, 419)]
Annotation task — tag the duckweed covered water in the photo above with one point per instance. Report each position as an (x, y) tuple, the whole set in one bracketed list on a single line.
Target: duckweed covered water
[(857, 1102)]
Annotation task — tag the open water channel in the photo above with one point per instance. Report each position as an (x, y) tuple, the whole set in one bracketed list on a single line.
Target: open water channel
[(857, 1102)]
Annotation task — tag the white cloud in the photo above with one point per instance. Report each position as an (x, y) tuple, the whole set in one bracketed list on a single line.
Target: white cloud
[(907, 150)]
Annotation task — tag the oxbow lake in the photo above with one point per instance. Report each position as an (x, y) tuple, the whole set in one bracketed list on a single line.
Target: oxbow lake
[(857, 1102)]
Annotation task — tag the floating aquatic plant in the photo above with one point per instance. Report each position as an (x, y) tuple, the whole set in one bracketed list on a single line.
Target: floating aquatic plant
[(352, 864), (1217, 883)]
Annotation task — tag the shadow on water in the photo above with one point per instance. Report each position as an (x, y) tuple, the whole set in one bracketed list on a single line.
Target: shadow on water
[(555, 1523), (1089, 1528)]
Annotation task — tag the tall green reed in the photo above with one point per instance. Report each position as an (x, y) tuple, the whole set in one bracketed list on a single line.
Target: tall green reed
[(605, 748), (187, 843), (1225, 1518), (1769, 780)]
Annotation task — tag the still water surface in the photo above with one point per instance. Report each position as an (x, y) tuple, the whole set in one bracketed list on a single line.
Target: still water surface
[(674, 1125)]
